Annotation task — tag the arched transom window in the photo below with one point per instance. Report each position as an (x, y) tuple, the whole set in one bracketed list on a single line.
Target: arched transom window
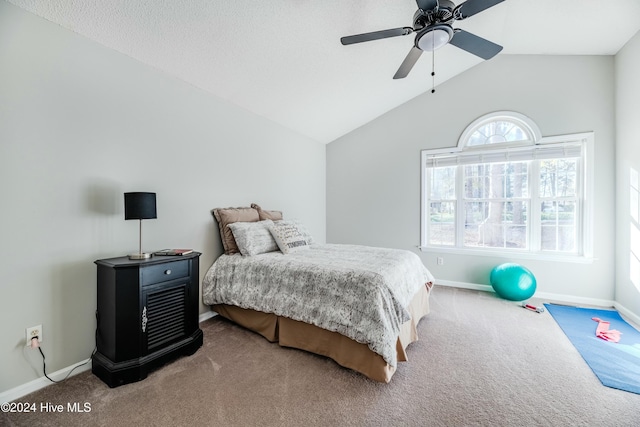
[(503, 127)]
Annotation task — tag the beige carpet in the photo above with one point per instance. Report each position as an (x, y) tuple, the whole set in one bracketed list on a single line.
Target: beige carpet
[(480, 361)]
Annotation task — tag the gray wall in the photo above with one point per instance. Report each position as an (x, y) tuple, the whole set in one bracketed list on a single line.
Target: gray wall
[(373, 173), (79, 126), (627, 157)]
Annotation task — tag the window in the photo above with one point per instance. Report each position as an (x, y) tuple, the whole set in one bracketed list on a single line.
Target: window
[(505, 188), (634, 230)]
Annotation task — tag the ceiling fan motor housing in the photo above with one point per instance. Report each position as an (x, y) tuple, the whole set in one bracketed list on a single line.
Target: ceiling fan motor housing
[(433, 26), (440, 15)]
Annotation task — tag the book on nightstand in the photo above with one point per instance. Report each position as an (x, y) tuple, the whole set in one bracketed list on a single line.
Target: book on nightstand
[(173, 252)]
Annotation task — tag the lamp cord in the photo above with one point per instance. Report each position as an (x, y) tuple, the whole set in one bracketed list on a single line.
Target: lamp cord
[(44, 365)]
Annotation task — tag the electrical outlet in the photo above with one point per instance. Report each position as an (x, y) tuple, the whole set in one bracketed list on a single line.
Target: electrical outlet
[(34, 331), (440, 260)]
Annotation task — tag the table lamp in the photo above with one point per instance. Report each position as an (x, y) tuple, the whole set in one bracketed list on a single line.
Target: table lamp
[(140, 206)]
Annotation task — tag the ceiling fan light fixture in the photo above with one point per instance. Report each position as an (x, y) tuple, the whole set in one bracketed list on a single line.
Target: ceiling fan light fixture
[(434, 38)]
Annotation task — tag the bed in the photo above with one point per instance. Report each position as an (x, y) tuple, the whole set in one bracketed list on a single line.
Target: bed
[(357, 305)]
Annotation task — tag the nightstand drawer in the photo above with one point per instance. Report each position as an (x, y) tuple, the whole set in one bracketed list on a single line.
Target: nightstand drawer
[(164, 272)]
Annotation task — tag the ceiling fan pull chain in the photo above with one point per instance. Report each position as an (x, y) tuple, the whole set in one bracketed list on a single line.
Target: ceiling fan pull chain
[(433, 71)]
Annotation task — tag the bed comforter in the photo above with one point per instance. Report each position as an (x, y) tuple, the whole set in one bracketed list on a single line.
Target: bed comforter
[(358, 291)]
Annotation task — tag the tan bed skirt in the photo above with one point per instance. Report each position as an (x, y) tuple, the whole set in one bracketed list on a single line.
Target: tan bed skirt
[(345, 351)]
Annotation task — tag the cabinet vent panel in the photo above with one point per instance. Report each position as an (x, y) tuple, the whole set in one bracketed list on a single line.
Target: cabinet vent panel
[(166, 316), (168, 304)]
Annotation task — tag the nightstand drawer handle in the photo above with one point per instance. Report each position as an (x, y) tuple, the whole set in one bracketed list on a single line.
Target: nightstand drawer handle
[(167, 272)]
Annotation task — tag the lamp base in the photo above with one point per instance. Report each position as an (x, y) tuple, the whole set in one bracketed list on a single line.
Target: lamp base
[(140, 256)]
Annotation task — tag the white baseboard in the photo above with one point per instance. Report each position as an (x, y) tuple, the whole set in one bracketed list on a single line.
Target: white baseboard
[(628, 314), (42, 382), (207, 315), (463, 285)]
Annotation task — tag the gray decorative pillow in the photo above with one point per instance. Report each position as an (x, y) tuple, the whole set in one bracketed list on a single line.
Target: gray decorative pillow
[(301, 228), (253, 238), (288, 236)]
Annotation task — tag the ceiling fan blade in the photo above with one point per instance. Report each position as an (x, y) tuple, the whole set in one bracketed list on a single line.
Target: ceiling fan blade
[(471, 7), (408, 63), (475, 45), (376, 35), (427, 4)]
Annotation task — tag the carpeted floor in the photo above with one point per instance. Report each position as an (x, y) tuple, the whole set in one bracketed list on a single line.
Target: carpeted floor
[(480, 361)]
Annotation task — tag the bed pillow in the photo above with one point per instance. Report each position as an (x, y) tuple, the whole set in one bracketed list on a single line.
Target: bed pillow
[(253, 238), (288, 237), (302, 229), (272, 215), (226, 216)]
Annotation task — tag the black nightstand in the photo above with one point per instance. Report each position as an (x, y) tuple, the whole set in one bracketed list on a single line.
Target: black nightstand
[(147, 315)]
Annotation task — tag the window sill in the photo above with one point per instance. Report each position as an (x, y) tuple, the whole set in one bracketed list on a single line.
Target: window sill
[(511, 255)]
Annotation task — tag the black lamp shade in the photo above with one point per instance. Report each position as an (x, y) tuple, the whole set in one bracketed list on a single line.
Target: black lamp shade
[(139, 205)]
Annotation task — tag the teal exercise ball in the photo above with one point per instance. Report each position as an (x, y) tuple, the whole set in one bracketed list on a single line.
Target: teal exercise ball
[(513, 282)]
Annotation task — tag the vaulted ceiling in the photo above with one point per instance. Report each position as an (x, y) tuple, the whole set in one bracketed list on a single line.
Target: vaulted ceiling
[(282, 59)]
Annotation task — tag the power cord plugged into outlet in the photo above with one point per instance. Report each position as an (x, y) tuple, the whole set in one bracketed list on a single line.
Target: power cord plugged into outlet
[(35, 343)]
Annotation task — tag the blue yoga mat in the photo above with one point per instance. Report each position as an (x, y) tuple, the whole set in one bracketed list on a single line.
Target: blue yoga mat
[(617, 365)]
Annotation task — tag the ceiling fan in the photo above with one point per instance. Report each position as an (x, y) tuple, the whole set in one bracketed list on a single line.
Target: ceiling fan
[(432, 25)]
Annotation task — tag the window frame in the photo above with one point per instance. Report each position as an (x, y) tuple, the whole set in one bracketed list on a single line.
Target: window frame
[(585, 188)]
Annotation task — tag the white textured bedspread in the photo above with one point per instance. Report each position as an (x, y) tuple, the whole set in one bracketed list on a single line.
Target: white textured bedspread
[(358, 291)]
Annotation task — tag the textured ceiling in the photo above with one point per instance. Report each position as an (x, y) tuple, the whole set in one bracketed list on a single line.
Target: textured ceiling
[(282, 59)]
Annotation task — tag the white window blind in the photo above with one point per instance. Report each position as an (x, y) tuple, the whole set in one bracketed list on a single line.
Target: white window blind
[(512, 154)]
